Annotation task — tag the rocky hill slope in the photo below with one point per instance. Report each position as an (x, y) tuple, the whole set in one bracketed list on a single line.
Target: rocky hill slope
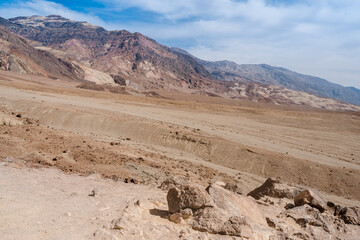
[(262, 73), (18, 56), (130, 56)]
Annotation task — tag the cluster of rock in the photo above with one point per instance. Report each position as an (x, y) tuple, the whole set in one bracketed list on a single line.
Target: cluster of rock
[(273, 211), (217, 211)]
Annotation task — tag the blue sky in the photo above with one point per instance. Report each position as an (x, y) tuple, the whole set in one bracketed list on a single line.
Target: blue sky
[(315, 37)]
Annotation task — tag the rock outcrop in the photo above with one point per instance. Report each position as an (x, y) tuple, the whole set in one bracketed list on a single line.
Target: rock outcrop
[(187, 196), (350, 215), (218, 211), (311, 198), (276, 189), (306, 216)]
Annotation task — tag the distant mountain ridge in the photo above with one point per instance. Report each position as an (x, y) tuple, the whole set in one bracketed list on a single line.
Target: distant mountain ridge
[(278, 76)]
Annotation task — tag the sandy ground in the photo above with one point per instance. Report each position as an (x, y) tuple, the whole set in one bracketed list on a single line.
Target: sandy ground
[(200, 137), (39, 203)]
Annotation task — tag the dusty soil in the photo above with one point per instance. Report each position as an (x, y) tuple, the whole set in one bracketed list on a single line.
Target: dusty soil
[(145, 139), (39, 203)]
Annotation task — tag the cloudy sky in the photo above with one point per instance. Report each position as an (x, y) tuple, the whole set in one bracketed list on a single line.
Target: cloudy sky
[(315, 37)]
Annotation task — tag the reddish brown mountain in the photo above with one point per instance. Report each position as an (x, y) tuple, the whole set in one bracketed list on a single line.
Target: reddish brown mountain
[(129, 56), (18, 56)]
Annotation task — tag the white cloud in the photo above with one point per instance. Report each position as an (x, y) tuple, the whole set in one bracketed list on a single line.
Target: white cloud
[(44, 8), (320, 38)]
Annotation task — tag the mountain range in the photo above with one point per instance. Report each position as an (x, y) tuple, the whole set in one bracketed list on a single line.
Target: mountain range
[(277, 76), (57, 47)]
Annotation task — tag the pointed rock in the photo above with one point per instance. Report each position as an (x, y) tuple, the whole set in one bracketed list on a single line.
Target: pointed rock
[(311, 198), (274, 188)]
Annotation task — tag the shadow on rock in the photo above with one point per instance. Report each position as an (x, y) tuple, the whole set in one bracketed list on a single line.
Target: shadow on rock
[(158, 212)]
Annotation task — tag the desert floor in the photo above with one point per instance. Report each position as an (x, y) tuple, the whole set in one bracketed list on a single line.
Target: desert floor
[(126, 145), (316, 148), (141, 139)]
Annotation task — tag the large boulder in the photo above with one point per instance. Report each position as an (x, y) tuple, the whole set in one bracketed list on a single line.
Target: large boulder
[(311, 198), (350, 215), (276, 189), (234, 204), (306, 216), (232, 215), (187, 196), (219, 211)]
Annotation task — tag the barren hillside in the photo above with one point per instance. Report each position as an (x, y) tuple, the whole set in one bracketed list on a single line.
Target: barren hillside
[(17, 55)]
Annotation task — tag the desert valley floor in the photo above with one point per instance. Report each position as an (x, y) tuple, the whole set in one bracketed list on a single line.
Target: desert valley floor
[(146, 138)]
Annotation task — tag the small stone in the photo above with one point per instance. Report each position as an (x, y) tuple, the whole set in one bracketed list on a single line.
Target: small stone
[(93, 192), (29, 121), (289, 206), (221, 184), (337, 210), (330, 204), (270, 222), (176, 218), (186, 213), (68, 214)]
